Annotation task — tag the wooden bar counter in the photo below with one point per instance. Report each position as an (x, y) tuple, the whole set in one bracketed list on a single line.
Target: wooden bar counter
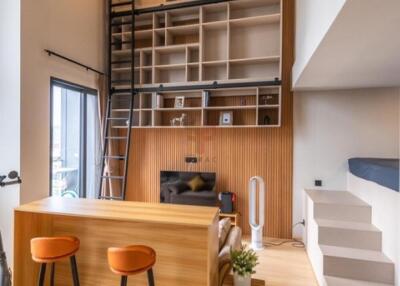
[(184, 237)]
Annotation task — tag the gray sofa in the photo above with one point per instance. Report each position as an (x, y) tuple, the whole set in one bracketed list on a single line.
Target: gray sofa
[(230, 238), (175, 190)]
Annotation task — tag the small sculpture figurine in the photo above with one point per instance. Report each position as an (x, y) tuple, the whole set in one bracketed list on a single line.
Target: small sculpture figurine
[(179, 120)]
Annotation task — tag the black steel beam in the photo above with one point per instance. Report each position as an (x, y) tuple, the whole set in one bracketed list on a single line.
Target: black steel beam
[(214, 85), (167, 7)]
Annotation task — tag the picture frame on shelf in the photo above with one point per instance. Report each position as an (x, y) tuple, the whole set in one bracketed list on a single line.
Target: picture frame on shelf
[(226, 118), (179, 102)]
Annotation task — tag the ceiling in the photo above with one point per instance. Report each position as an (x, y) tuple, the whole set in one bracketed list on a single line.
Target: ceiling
[(361, 49)]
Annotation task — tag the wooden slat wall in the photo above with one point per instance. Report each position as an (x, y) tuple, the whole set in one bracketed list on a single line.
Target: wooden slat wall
[(234, 154)]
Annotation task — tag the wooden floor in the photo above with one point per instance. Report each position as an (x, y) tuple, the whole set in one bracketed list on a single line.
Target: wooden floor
[(283, 265)]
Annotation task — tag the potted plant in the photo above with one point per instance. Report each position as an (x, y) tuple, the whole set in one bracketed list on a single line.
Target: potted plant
[(243, 263)]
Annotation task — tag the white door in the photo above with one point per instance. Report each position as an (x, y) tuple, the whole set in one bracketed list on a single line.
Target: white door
[(9, 113)]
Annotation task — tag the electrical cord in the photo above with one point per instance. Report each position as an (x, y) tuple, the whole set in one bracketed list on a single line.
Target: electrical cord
[(294, 242)]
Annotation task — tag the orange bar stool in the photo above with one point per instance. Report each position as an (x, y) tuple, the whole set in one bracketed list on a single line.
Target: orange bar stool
[(46, 250), (132, 260)]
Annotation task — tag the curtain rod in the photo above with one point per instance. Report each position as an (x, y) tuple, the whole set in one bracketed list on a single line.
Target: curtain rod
[(52, 53)]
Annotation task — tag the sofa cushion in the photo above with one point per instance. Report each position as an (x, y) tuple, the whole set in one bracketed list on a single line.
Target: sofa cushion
[(199, 198), (196, 184), (223, 231), (233, 241), (178, 187)]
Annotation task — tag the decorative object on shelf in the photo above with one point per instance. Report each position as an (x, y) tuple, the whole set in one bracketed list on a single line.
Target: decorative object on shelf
[(226, 118), (242, 101), (179, 121), (179, 102), (243, 263), (158, 100), (5, 272), (267, 120), (265, 99), (256, 229), (206, 98)]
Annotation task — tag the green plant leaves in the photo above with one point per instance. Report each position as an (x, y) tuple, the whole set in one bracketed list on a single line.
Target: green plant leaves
[(244, 261)]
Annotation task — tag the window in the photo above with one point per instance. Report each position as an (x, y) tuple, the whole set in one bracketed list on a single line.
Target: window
[(75, 141)]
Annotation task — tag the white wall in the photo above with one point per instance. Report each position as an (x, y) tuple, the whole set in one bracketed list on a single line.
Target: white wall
[(333, 126), (74, 28), (313, 20), (9, 112)]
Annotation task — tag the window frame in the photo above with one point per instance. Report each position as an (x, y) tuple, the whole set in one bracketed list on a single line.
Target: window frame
[(85, 91)]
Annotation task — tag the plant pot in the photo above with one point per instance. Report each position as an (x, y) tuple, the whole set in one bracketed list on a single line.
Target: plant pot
[(241, 280)]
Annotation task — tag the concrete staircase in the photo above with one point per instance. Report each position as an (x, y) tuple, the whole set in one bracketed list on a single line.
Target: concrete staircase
[(343, 246)]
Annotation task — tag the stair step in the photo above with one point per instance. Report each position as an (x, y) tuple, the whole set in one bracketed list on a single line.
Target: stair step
[(337, 281), (339, 205), (357, 264), (349, 234)]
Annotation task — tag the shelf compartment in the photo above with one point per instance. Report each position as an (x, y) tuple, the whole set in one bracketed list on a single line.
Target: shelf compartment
[(241, 117), (215, 42), (267, 37), (183, 17), (215, 71), (193, 55), (163, 118), (146, 75), (170, 57), (257, 70), (268, 116), (183, 35), (193, 73), (242, 101), (171, 74), (143, 22), (268, 96), (159, 20), (146, 58), (159, 38), (252, 8), (192, 101), (146, 118), (215, 12)]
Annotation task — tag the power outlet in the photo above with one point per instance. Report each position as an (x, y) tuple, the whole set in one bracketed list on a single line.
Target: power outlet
[(191, 160), (318, 183)]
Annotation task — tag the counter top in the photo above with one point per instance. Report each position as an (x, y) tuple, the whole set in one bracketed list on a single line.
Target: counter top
[(124, 211)]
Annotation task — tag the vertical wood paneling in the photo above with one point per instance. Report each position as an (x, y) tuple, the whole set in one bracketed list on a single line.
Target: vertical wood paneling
[(234, 154)]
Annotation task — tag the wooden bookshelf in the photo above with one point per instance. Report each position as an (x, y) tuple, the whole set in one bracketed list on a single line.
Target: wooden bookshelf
[(236, 41), (250, 107), (229, 42)]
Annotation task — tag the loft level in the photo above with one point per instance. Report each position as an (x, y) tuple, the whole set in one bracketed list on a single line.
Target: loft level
[(201, 108)]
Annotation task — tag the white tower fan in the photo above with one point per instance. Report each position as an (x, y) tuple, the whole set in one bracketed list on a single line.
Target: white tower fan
[(256, 229)]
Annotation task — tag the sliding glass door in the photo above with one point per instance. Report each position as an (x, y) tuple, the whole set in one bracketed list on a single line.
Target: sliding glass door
[(75, 140)]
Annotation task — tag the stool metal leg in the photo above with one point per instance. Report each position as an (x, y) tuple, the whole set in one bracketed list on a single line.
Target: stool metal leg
[(124, 280), (53, 269), (42, 274), (74, 268), (150, 277)]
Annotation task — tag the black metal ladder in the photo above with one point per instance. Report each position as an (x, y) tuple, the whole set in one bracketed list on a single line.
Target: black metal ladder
[(109, 137)]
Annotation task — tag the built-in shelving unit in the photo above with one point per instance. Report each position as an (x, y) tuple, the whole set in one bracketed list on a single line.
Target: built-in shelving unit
[(229, 41), (249, 107), (232, 42)]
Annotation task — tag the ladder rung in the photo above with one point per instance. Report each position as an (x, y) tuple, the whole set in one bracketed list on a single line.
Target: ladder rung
[(123, 23), (117, 118), (114, 157), (117, 138), (110, 198), (121, 4), (113, 177), (121, 62), (120, 43)]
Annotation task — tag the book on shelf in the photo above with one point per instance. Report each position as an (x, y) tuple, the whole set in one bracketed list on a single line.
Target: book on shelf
[(158, 100), (206, 98)]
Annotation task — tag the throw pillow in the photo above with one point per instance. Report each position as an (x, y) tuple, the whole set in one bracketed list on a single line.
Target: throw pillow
[(223, 230), (196, 184)]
